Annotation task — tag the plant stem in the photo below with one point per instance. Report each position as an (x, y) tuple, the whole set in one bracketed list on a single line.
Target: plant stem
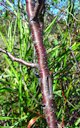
[(46, 82)]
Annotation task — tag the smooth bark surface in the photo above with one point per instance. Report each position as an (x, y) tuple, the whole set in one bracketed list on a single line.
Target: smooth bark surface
[(46, 82)]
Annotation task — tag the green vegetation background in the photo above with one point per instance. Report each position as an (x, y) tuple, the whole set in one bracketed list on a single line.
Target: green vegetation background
[(20, 96)]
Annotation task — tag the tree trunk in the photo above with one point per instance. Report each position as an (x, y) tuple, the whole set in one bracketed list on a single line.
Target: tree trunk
[(46, 82)]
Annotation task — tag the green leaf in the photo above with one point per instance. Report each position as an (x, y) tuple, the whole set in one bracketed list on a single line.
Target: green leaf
[(75, 46), (10, 4), (53, 49), (50, 27), (7, 118), (6, 89), (58, 93), (77, 122)]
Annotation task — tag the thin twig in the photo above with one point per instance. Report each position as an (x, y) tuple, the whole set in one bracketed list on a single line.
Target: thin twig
[(72, 52), (33, 65), (64, 11)]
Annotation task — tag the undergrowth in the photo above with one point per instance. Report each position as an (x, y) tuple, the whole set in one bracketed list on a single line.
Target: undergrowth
[(20, 96)]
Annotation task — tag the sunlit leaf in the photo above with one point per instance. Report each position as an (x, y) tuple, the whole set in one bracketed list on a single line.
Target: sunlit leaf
[(32, 121)]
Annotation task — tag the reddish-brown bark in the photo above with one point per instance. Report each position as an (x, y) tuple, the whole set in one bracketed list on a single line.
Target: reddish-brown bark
[(46, 82)]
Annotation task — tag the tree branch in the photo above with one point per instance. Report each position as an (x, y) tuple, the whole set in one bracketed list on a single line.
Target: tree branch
[(33, 65)]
